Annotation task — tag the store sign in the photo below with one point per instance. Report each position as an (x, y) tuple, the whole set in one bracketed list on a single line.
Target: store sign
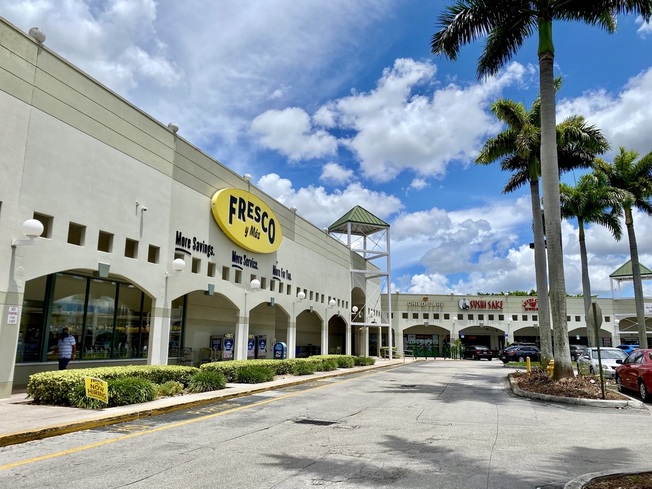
[(246, 220), (424, 302), (466, 304), (530, 304)]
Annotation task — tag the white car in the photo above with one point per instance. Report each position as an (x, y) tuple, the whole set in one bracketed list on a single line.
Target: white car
[(588, 362)]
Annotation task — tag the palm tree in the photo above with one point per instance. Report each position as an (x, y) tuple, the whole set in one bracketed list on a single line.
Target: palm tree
[(506, 24), (518, 148), (635, 180), (591, 200)]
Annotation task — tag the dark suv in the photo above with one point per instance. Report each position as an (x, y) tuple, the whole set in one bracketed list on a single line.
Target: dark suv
[(520, 353)]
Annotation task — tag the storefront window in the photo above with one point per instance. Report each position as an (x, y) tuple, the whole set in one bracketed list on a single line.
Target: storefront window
[(30, 334), (176, 327), (87, 306), (68, 303), (100, 338)]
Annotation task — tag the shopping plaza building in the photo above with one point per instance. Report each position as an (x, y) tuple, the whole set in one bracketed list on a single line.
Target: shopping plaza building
[(152, 252)]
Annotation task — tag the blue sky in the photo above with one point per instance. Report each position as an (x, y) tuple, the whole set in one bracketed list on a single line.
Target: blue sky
[(334, 104)]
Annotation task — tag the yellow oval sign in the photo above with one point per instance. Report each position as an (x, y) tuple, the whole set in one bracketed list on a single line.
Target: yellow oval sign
[(246, 220)]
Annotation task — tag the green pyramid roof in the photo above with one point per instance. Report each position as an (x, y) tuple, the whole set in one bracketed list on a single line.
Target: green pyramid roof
[(626, 271), (362, 222)]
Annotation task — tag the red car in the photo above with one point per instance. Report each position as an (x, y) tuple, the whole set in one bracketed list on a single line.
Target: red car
[(635, 373)]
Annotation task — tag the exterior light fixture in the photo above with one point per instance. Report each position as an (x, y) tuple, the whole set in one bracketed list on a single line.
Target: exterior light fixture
[(178, 265), (37, 34), (173, 127), (301, 295), (254, 284), (32, 228), (247, 177), (332, 303)]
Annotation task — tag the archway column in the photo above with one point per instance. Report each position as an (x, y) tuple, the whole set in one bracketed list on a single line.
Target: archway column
[(159, 333), (241, 338), (324, 337), (292, 338), (9, 340)]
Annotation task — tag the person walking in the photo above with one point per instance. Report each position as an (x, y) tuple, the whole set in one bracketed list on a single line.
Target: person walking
[(66, 348)]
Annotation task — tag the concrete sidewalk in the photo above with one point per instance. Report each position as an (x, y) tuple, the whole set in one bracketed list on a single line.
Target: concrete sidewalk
[(22, 421)]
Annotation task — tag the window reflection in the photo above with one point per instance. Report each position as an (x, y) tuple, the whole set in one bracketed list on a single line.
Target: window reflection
[(108, 319)]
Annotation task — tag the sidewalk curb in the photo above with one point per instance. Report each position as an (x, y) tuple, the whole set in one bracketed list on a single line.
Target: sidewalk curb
[(109, 416), (582, 480), (600, 403)]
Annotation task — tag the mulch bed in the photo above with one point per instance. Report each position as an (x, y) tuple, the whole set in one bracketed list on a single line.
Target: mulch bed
[(631, 481), (583, 387)]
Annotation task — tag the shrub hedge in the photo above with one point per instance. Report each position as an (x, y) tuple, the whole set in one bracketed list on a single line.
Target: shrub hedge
[(66, 387), (56, 387)]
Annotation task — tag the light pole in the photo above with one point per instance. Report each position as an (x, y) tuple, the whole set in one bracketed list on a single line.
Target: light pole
[(242, 329), (324, 329), (292, 327)]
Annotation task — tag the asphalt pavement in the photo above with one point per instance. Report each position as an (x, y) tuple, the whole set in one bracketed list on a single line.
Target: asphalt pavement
[(21, 420)]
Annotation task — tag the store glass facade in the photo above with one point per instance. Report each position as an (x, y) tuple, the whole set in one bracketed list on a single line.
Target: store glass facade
[(109, 319)]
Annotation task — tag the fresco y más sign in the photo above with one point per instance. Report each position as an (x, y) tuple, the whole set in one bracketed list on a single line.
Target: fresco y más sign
[(246, 220)]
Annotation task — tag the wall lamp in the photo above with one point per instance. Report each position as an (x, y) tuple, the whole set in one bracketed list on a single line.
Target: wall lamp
[(32, 228), (178, 265)]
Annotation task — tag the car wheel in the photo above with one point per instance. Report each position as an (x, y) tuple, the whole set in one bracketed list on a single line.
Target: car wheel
[(521, 359), (619, 384), (645, 395)]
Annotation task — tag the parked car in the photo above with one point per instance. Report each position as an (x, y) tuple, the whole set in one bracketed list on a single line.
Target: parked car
[(513, 346), (635, 373), (588, 363), (577, 351), (628, 348), (520, 353), (478, 352)]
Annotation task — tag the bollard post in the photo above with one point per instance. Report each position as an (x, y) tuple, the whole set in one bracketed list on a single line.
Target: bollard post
[(528, 365)]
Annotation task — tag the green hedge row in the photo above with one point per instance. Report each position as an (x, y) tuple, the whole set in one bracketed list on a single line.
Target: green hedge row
[(55, 387), (294, 366), (65, 387)]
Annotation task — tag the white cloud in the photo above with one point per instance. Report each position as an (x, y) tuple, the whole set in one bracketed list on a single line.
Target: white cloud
[(645, 29), (290, 132), (322, 208), (625, 118), (332, 172), (396, 128), (418, 183)]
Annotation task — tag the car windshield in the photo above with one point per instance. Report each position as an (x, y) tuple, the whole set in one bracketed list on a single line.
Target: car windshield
[(609, 354)]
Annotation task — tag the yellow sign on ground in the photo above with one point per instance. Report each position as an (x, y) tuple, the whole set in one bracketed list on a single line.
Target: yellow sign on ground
[(97, 389)]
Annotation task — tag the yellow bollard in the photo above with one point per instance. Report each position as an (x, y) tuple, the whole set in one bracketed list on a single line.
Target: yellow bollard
[(551, 366), (528, 365)]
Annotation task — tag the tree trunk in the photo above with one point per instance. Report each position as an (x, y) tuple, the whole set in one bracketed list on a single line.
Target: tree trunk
[(540, 267), (586, 285), (636, 277), (551, 205)]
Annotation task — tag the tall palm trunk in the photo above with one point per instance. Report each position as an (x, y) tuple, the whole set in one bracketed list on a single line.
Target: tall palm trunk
[(636, 277), (586, 284), (551, 205), (540, 267)]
